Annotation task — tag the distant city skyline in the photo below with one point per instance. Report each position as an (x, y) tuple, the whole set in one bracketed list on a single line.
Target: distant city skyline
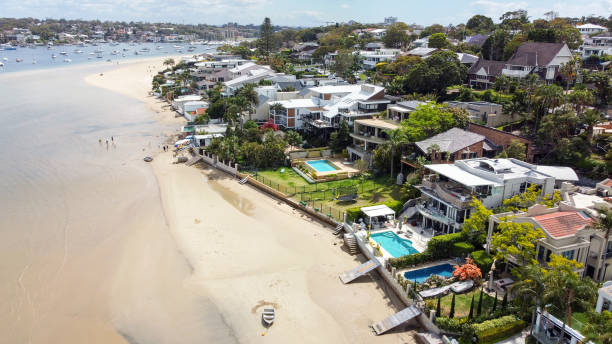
[(294, 13)]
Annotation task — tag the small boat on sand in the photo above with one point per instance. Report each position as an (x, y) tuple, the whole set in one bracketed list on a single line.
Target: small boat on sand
[(268, 316), (147, 159)]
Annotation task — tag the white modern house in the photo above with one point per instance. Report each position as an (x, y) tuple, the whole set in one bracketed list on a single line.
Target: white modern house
[(328, 106), (589, 29), (179, 102), (193, 109), (448, 190), (369, 59), (251, 76), (598, 45)]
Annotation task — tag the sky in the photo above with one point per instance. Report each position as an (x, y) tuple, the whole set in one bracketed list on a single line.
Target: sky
[(295, 12)]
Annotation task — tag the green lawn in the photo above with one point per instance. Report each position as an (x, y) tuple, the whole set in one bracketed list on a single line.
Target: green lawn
[(463, 301), (376, 190)]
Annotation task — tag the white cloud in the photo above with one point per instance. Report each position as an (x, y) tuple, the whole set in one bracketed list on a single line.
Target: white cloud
[(345, 6), (495, 9)]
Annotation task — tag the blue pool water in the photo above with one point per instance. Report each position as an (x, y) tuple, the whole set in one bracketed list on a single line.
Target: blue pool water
[(420, 275), (321, 165), (393, 244)]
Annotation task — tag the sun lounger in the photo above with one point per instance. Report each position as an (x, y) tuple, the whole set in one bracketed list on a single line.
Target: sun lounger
[(434, 292)]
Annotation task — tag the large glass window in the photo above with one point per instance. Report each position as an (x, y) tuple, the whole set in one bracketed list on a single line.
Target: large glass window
[(568, 254)]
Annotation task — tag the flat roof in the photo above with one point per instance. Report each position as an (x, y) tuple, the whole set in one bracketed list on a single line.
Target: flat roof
[(460, 176), (378, 123), (377, 210)]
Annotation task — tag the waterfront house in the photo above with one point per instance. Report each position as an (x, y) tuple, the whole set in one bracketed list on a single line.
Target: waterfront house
[(329, 105), (191, 110), (567, 231), (179, 102), (367, 135), (448, 190), (541, 59), (252, 76)]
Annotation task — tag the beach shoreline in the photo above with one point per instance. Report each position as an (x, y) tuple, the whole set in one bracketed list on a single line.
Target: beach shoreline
[(247, 249)]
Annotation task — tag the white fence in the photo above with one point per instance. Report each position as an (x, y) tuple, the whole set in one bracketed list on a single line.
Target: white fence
[(213, 160)]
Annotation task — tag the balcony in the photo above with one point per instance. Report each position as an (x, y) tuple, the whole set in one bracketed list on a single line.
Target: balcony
[(433, 214), (452, 193), (368, 138)]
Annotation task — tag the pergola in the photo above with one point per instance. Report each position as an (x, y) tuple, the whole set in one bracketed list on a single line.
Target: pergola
[(377, 215)]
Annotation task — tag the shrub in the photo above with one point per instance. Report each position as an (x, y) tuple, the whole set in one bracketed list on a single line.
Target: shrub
[(438, 247), (451, 324), (462, 248), (494, 330), (441, 246), (483, 260)]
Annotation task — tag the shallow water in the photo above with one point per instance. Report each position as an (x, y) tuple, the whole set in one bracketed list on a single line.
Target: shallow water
[(85, 252)]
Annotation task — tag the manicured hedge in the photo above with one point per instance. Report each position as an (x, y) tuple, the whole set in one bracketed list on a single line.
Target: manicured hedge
[(441, 246), (354, 213), (451, 324), (462, 248), (494, 330), (483, 260), (437, 248)]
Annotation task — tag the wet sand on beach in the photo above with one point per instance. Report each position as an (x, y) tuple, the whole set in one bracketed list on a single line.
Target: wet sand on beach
[(97, 246)]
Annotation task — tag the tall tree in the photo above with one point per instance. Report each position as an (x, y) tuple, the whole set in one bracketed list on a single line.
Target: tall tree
[(566, 290), (395, 139), (266, 42), (480, 23), (517, 240), (438, 40), (396, 36), (530, 289), (475, 227), (452, 308)]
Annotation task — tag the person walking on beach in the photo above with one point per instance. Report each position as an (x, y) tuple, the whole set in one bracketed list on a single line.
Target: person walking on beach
[(112, 139)]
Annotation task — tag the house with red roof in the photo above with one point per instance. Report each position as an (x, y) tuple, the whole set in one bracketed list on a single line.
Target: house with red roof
[(568, 231)]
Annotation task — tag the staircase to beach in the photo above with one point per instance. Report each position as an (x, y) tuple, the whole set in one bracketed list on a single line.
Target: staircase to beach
[(350, 242)]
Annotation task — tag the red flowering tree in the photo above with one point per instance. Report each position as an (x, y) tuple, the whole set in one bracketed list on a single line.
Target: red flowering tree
[(469, 270)]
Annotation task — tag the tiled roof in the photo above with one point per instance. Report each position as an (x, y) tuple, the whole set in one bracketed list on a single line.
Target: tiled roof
[(535, 54), (493, 68), (563, 223), (451, 140)]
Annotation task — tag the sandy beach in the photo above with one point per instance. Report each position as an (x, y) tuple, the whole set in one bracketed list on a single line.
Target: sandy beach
[(248, 250)]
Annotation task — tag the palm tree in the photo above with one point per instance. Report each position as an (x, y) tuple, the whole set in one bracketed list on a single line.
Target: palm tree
[(531, 288), (590, 118), (251, 97), (169, 62), (565, 289), (395, 139)]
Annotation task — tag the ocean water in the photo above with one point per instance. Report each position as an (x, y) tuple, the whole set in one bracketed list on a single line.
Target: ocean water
[(42, 57), (85, 252)]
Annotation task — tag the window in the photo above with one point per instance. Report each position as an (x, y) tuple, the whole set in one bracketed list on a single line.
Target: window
[(463, 156), (523, 187), (568, 254)]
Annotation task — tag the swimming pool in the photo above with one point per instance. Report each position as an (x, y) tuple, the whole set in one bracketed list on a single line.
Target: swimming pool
[(393, 244), (420, 275), (322, 165)]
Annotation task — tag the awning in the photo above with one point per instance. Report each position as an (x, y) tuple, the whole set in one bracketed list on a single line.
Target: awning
[(377, 210), (460, 176)]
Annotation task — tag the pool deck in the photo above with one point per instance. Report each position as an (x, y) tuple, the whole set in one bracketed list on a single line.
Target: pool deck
[(402, 235), (339, 163)]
